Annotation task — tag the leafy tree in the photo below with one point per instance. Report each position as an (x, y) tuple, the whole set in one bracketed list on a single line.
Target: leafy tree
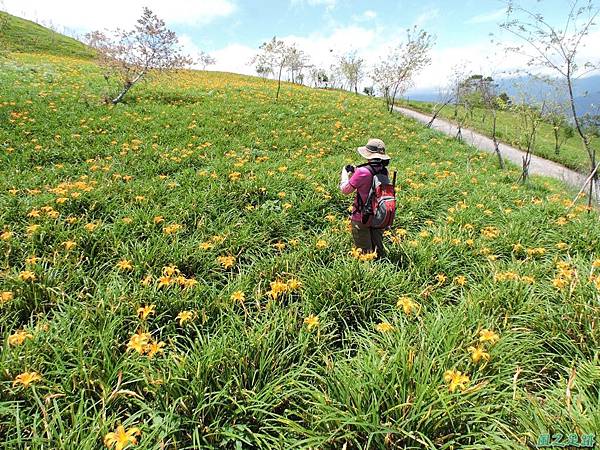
[(369, 90), (475, 91), (561, 128), (322, 77), (263, 71), (396, 72), (318, 77), (130, 55), (504, 98), (591, 125)]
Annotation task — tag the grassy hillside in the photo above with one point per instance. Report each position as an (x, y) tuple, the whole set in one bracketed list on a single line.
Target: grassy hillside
[(571, 154), (20, 35), (181, 265)]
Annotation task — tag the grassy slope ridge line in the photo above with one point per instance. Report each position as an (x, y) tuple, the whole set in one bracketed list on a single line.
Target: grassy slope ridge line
[(181, 263), (571, 154), (21, 35)]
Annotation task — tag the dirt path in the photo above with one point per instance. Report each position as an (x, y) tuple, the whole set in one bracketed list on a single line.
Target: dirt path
[(538, 166)]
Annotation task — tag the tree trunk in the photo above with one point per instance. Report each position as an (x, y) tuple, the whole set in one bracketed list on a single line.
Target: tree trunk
[(527, 157), (526, 161), (556, 141), (394, 99), (128, 85), (496, 145), (388, 98), (435, 114), (594, 180), (584, 139), (279, 82), (592, 175), (124, 91)]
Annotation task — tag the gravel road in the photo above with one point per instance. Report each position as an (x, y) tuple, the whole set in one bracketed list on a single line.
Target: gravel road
[(538, 166)]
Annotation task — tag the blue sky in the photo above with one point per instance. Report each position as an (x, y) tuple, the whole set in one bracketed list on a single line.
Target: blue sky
[(232, 30), (454, 22)]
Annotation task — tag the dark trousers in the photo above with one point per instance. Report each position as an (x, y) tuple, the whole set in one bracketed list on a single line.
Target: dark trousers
[(368, 239)]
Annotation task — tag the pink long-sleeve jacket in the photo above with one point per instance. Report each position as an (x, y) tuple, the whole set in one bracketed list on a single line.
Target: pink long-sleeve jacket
[(360, 181)]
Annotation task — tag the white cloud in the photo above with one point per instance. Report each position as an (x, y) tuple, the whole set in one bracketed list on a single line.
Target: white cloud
[(85, 16), (330, 4), (322, 49), (369, 14), (588, 50), (492, 16), (488, 59), (365, 16), (188, 45), (427, 16), (481, 58), (234, 58)]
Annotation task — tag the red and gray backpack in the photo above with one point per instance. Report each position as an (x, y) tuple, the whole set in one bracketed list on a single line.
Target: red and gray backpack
[(379, 210)]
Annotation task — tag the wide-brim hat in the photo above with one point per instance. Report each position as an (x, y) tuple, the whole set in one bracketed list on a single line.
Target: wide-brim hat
[(375, 149)]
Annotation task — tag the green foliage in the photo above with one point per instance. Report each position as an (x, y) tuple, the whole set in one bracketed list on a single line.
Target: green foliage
[(20, 35), (572, 154), (198, 166)]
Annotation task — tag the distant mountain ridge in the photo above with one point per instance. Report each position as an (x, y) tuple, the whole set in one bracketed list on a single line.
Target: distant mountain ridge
[(586, 90)]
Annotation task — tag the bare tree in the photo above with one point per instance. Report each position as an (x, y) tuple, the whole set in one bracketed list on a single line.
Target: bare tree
[(352, 69), (530, 113), (205, 60), (461, 113), (274, 57), (131, 55), (461, 108), (445, 97), (557, 113), (335, 77), (395, 74), (492, 103), (449, 93), (556, 48), (297, 61)]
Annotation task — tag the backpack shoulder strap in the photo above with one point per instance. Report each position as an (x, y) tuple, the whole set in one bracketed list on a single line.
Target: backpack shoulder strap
[(369, 167), (359, 199)]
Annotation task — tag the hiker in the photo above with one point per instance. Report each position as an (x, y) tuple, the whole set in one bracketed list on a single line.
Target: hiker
[(374, 206)]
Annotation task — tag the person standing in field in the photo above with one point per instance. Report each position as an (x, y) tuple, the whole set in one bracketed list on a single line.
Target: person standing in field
[(374, 205)]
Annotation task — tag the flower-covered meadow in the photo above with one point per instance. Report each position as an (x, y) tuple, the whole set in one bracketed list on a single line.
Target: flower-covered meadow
[(177, 272)]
